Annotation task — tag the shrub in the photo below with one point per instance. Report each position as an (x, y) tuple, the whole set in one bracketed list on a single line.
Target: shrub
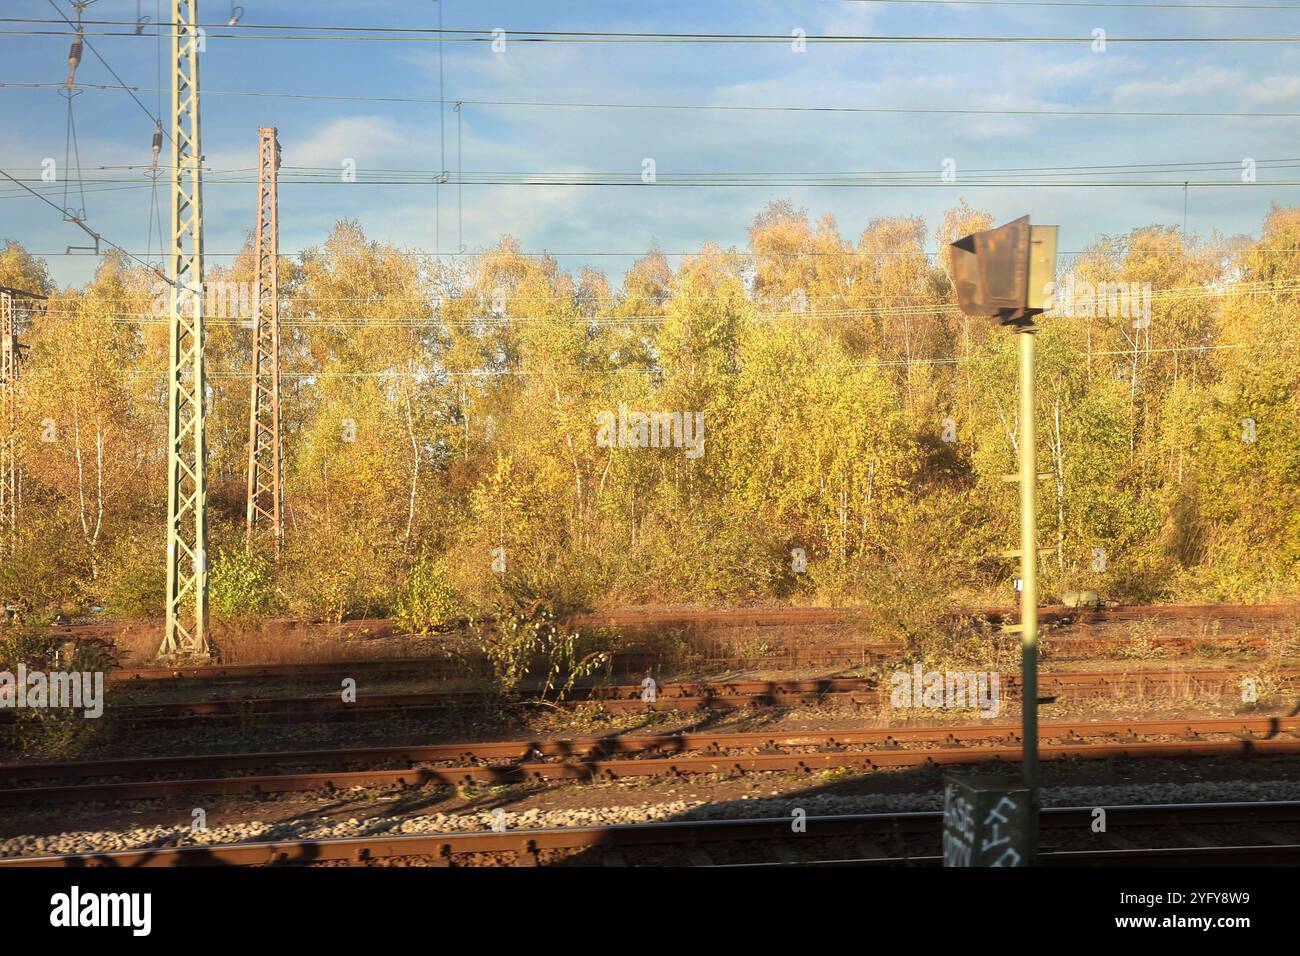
[(520, 642), (428, 603), (134, 582), (241, 584), (39, 580), (339, 574)]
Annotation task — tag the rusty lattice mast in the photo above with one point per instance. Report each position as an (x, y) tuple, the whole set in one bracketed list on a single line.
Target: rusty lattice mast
[(265, 503), (11, 472), (9, 481)]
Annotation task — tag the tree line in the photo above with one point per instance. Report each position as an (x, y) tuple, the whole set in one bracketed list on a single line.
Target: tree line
[(458, 432)]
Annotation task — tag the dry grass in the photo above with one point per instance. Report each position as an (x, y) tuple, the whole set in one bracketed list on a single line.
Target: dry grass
[(1280, 645), (1140, 644), (291, 642)]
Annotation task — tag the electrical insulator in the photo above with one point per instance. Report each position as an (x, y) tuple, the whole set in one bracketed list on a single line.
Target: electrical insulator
[(74, 58), (157, 145)]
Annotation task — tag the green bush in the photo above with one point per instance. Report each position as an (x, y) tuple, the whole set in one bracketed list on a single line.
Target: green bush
[(428, 604), (39, 580), (525, 641), (241, 584), (134, 581), (340, 574)]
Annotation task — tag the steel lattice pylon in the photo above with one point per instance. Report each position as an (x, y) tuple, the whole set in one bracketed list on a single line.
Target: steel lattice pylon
[(11, 474), (187, 486), (9, 488), (265, 493)]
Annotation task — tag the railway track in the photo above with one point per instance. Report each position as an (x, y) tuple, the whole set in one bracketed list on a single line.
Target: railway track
[(635, 617), (449, 668), (843, 655), (615, 758), (1265, 832), (1047, 614), (686, 696), (444, 668)]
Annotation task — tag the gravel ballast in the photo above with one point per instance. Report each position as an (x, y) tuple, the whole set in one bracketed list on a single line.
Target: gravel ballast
[(811, 804)]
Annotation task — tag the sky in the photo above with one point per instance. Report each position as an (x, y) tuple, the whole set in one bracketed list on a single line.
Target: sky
[(608, 226)]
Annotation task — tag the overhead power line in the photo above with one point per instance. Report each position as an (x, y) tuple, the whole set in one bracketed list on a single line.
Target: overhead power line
[(1177, 174), (99, 237), (1087, 4), (782, 183), (704, 107), (121, 83), (641, 253), (394, 34), (436, 321), (482, 374), (241, 174)]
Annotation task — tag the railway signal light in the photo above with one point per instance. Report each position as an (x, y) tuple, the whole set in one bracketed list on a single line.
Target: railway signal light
[(1008, 272)]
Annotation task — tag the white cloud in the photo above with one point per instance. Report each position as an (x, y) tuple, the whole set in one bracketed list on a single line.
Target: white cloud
[(1202, 81), (370, 140), (1273, 89)]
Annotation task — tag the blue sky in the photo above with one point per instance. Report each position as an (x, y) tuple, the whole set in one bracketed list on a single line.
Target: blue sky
[(114, 130)]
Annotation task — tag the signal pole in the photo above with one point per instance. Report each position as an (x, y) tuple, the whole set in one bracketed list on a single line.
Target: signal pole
[(187, 482), (1029, 585), (1009, 273), (265, 501)]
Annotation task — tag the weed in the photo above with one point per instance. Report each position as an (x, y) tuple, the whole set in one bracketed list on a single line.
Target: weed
[(1140, 644), (520, 642), (837, 773)]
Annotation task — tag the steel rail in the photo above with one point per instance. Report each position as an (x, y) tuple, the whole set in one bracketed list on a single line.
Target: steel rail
[(527, 845), (657, 745), (697, 695), (703, 695), (625, 757), (611, 769), (448, 667)]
